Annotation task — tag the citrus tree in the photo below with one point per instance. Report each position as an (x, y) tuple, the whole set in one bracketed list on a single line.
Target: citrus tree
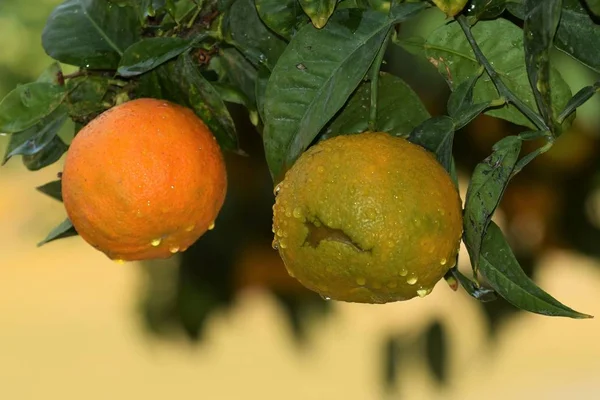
[(308, 73)]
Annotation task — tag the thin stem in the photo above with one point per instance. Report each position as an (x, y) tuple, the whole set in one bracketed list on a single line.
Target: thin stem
[(375, 68), (503, 90)]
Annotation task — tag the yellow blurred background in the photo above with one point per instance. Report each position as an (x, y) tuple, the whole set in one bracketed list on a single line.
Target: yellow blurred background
[(70, 320)]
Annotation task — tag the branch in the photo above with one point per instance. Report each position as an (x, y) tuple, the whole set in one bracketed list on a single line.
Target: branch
[(503, 90)]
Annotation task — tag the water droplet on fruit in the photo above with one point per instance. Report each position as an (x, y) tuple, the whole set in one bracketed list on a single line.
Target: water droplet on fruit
[(412, 279), (422, 292), (190, 228), (361, 281), (277, 189), (443, 261), (288, 213), (403, 272), (320, 168), (275, 244), (174, 249), (156, 242), (326, 298), (211, 226), (297, 212), (282, 244), (119, 261)]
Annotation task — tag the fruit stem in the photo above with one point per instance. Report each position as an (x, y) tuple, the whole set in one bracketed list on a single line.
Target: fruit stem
[(375, 68), (503, 90)]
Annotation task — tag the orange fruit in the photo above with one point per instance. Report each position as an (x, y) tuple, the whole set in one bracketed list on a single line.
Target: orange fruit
[(368, 218), (144, 180)]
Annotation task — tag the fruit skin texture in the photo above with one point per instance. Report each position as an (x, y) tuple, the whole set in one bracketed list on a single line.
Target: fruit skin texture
[(367, 218), (143, 180)]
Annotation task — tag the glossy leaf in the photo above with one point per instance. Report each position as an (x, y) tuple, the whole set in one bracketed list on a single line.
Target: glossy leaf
[(474, 289), (485, 9), (541, 22), (65, 229), (34, 139), (262, 79), (86, 95), (250, 35), (502, 271), (436, 135), (283, 17), (583, 95), (448, 50), (460, 104), (318, 11), (90, 33), (27, 104), (239, 72), (47, 155), (181, 82), (487, 186), (52, 189), (148, 54), (354, 117), (310, 83)]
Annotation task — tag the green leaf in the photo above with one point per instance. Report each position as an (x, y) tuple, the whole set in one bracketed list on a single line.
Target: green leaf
[(86, 95), (181, 82), (502, 271), (64, 230), (239, 72), (583, 95), (460, 104), (436, 135), (474, 289), (231, 94), (448, 50), (250, 35), (27, 104), (403, 11), (318, 11), (594, 6), (283, 17), (90, 33), (52, 74), (485, 9), (310, 83), (52, 189), (148, 54), (34, 139), (487, 186), (541, 22), (354, 117), (47, 155), (262, 79)]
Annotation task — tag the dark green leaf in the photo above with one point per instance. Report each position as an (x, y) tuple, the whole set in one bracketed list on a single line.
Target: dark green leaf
[(239, 72), (436, 135), (27, 104), (485, 9), (250, 35), (354, 117), (262, 78), (318, 11), (473, 288), (182, 82), (231, 94), (403, 11), (541, 22), (460, 104), (594, 6), (90, 33), (580, 97), (436, 351), (310, 83), (487, 186), (47, 155), (64, 230), (34, 139), (52, 189), (283, 17), (448, 50), (86, 95), (502, 271), (148, 54), (353, 4)]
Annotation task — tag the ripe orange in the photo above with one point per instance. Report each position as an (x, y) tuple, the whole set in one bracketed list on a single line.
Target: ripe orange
[(368, 218), (144, 180)]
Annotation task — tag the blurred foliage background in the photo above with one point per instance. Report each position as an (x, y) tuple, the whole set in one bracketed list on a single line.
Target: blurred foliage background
[(554, 204)]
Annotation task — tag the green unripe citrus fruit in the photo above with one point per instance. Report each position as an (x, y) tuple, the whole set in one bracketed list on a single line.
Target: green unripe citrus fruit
[(367, 218)]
